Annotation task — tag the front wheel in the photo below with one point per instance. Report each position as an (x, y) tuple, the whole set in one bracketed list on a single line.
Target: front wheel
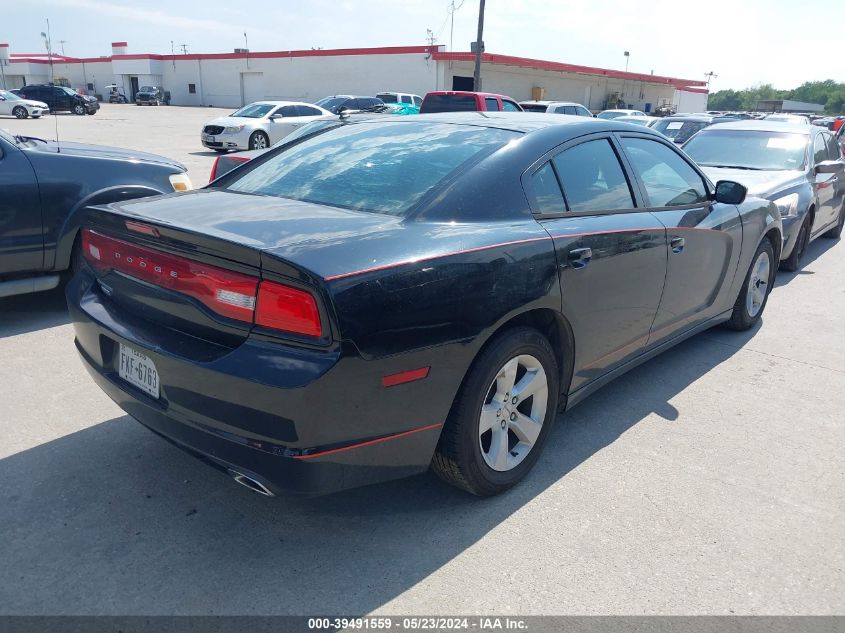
[(836, 232), (79, 109), (259, 140), (502, 415), (749, 305), (20, 112), (793, 262)]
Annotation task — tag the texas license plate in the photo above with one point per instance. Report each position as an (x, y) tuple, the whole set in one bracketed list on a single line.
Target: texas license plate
[(138, 370), (208, 138)]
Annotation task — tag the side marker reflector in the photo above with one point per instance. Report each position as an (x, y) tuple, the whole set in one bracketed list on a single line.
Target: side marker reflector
[(405, 376)]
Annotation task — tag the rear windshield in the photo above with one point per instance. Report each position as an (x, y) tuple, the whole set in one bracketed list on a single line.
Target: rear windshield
[(388, 97), (534, 108), (679, 131), (448, 103), (381, 168)]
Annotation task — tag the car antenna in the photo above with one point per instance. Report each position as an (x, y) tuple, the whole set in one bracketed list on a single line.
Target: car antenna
[(58, 145)]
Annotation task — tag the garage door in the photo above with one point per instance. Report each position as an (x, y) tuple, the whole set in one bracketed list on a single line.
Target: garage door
[(252, 87)]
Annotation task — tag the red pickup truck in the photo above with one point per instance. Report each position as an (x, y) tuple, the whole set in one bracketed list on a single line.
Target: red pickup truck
[(459, 101)]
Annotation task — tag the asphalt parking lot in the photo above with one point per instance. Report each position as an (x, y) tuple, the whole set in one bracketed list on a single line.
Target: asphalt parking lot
[(709, 480)]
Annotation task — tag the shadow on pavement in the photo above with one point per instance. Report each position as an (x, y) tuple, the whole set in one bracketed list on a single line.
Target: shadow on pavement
[(113, 520), (815, 250), (33, 312)]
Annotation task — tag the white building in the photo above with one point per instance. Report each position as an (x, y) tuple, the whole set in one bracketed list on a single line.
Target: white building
[(234, 79)]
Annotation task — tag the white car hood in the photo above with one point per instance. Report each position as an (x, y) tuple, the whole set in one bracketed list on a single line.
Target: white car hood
[(226, 121), (33, 104)]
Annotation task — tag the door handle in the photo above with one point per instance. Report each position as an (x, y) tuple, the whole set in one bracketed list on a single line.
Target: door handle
[(677, 244), (580, 257)]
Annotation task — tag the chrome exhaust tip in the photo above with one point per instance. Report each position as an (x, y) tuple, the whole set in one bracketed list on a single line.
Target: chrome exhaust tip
[(250, 482)]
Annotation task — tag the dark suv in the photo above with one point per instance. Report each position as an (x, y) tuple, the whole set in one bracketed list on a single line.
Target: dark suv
[(60, 98), (336, 103), (152, 95)]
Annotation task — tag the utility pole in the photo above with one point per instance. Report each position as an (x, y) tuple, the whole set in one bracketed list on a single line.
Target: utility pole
[(246, 46), (625, 81), (479, 44), (62, 44), (184, 48), (173, 54), (710, 76)]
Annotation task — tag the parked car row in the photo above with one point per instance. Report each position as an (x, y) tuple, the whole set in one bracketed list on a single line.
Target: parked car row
[(49, 98), (284, 322)]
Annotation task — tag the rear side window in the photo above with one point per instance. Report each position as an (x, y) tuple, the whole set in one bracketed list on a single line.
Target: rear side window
[(448, 103), (381, 168), (669, 180), (592, 178), (405, 99), (491, 103), (546, 189), (307, 111)]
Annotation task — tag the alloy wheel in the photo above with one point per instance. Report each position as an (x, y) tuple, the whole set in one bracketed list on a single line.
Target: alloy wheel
[(758, 283), (513, 413), (20, 112), (259, 141)]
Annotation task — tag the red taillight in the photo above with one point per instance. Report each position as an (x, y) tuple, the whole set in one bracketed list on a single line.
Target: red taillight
[(227, 293), (235, 159), (284, 308)]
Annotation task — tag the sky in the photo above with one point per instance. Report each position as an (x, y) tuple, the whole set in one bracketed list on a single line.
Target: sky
[(744, 42)]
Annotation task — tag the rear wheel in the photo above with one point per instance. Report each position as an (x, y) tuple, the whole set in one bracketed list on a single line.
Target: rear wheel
[(259, 140), (20, 112), (793, 262), (749, 305), (836, 232), (502, 415)]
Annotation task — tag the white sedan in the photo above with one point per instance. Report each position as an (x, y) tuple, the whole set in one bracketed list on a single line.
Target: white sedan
[(13, 105), (259, 125)]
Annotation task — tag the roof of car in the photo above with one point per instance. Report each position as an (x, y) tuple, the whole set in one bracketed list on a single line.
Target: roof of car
[(767, 126), (282, 103), (549, 103), (704, 118), (520, 121), (466, 92)]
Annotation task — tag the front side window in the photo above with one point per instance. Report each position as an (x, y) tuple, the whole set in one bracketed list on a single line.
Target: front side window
[(819, 150), (584, 112), (406, 99), (592, 178), (288, 111), (491, 103), (546, 189), (510, 106), (377, 167), (417, 101), (569, 110), (668, 179)]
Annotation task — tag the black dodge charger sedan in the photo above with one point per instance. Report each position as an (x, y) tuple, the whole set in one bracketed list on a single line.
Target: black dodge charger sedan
[(374, 299)]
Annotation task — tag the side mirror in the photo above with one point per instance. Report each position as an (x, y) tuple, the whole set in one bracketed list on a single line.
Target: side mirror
[(830, 167), (730, 192), (273, 117)]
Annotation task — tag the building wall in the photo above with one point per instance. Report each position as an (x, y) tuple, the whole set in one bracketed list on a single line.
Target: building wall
[(686, 101), (592, 92)]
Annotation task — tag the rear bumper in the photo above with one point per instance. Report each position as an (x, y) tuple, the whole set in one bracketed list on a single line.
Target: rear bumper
[(300, 421)]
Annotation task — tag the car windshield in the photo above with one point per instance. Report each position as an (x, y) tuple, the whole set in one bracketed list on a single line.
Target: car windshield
[(69, 91), (147, 88), (380, 168), (679, 131), (11, 96), (253, 110), (748, 149)]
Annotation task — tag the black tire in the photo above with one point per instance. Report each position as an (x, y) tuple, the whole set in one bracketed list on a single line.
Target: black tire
[(458, 457), (256, 138), (741, 318), (79, 109), (793, 262), (836, 232), (20, 112), (92, 112)]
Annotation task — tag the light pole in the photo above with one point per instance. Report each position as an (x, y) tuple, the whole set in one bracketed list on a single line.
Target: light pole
[(476, 77), (710, 76), (625, 80), (246, 46), (49, 45)]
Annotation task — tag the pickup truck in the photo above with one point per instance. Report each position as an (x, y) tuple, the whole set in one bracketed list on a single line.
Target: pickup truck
[(46, 185), (464, 101), (152, 95)]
